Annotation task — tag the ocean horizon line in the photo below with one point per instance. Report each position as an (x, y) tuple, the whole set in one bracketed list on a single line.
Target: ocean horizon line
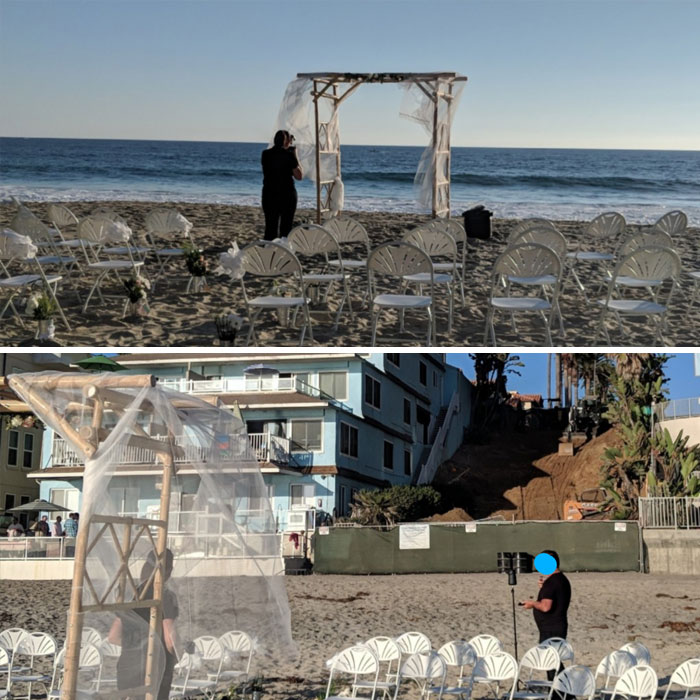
[(359, 145)]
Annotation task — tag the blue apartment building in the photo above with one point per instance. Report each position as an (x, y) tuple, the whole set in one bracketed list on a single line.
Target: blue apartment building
[(323, 425)]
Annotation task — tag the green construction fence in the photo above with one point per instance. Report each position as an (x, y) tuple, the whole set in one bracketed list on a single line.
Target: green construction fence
[(471, 548)]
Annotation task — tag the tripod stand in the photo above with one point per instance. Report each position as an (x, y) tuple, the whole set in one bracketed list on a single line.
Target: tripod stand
[(513, 582)]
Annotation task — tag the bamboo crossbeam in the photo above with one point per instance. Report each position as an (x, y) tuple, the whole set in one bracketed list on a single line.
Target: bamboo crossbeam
[(381, 77), (116, 607), (128, 520)]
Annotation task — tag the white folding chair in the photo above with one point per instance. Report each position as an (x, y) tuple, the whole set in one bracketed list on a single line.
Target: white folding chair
[(540, 658), (613, 666), (89, 635), (270, 259), (17, 248), (485, 644), (413, 643), (4, 668), (164, 223), (456, 230), (128, 248), (639, 682), (237, 656), (674, 223), (652, 269), (312, 241), (639, 651), (524, 261), (597, 245), (33, 646), (63, 219), (90, 665), (687, 676), (493, 670), (96, 232), (387, 651), (573, 682), (440, 246), (395, 260), (458, 655), (428, 671), (357, 662), (9, 639), (350, 234), (527, 224), (207, 649), (562, 647)]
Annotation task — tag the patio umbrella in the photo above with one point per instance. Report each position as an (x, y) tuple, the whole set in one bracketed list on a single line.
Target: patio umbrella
[(260, 369), (99, 363), (39, 504)]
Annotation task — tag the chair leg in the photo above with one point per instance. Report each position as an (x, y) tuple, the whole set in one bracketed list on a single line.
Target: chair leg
[(52, 292), (375, 319), (307, 319), (95, 286)]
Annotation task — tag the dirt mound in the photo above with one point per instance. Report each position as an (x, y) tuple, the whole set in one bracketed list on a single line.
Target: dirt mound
[(456, 515), (521, 476)]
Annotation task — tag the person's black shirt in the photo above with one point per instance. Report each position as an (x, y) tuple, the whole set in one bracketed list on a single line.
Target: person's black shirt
[(278, 165), (557, 589)]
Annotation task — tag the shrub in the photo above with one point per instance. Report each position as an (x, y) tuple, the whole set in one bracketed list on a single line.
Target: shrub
[(395, 504)]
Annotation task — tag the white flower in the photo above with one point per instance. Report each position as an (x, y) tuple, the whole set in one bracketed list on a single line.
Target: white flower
[(283, 241), (231, 263), (32, 303)]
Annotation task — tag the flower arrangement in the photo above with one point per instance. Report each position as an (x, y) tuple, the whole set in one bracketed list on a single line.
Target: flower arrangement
[(42, 306), (137, 288), (194, 259), (227, 326), (22, 420)]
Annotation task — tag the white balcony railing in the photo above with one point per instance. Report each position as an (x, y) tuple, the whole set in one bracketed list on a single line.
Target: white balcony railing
[(669, 512), (267, 448), (678, 408), (231, 385)]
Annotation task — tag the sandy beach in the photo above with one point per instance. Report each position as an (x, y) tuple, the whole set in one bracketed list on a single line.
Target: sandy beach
[(332, 612), (180, 319)]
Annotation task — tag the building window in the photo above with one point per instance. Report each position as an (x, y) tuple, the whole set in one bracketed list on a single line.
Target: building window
[(434, 378), (13, 449), (296, 494), (342, 501), (306, 435), (407, 462), (9, 501), (28, 451), (394, 358), (388, 454), (334, 384), (373, 392), (407, 411), (423, 373), (68, 498), (348, 440)]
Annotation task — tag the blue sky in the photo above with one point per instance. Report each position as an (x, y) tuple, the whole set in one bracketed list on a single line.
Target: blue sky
[(533, 380), (555, 73)]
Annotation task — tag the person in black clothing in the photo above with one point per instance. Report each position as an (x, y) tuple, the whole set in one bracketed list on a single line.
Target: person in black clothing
[(279, 196), (130, 631), (551, 605)]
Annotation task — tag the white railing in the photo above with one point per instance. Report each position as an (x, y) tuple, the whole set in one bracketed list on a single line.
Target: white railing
[(669, 512), (678, 408), (37, 548), (436, 456), (230, 385), (267, 448)]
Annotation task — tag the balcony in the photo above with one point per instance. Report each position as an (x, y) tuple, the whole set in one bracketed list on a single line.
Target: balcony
[(265, 448)]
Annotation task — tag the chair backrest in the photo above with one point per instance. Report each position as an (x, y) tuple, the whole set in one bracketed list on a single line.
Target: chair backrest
[(90, 635), (61, 216), (312, 239), (424, 667), (575, 680), (347, 230), (500, 666), (92, 229), (687, 675), (547, 236), (109, 214), (639, 682), (638, 650), (562, 647), (208, 648), (608, 225), (649, 263), (398, 258), (542, 657), (527, 260), (16, 246), (166, 221), (10, 637), (236, 643), (4, 659), (357, 661), (384, 648), (527, 224), (458, 653), (673, 223), (36, 644), (111, 650), (434, 242), (485, 644), (614, 665), (26, 223), (270, 259), (640, 240), (413, 643)]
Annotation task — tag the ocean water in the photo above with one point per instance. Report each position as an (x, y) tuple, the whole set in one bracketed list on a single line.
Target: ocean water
[(513, 182)]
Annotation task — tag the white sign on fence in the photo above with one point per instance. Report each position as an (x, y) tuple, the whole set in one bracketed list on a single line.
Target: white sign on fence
[(414, 536), (324, 530), (620, 527), (470, 527)]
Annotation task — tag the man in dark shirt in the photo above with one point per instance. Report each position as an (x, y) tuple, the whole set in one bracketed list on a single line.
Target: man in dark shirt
[(279, 196), (551, 605)]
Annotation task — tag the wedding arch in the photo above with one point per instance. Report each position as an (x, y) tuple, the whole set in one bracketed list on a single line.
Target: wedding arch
[(310, 108)]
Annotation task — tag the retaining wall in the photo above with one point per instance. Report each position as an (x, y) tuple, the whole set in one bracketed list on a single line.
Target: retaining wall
[(672, 551)]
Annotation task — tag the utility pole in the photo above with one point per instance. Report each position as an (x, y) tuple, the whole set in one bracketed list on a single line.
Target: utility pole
[(549, 378)]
